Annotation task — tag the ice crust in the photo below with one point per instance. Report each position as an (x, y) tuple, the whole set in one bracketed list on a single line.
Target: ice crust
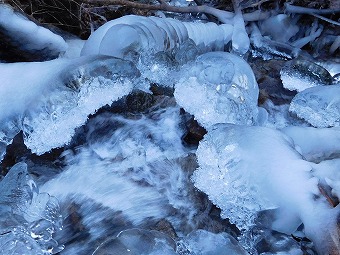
[(319, 106), (57, 96), (28, 218), (253, 168), (218, 87)]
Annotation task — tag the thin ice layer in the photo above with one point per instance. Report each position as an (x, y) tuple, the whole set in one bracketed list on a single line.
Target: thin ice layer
[(252, 169), (218, 87), (319, 106)]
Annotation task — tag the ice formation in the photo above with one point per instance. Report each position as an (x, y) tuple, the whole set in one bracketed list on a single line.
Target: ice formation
[(319, 106), (28, 36), (218, 87), (29, 218), (130, 35), (51, 99), (300, 74), (315, 144), (249, 176)]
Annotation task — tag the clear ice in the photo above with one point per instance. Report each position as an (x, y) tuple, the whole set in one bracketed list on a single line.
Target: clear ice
[(29, 219), (218, 87)]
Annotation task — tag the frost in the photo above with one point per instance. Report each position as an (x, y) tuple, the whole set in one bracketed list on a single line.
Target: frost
[(28, 218), (218, 87), (319, 106)]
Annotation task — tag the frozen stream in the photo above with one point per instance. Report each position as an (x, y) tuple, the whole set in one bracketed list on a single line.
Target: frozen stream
[(162, 146)]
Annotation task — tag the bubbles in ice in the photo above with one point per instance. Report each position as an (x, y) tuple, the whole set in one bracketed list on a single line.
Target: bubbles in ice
[(218, 87), (319, 106), (301, 74), (29, 219), (249, 176)]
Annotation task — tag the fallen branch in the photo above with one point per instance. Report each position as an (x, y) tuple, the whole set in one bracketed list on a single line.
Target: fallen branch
[(303, 10), (221, 15)]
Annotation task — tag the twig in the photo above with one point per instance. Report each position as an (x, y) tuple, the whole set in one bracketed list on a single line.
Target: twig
[(326, 19), (303, 10)]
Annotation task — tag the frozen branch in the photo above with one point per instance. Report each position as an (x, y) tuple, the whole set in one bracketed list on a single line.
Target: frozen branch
[(303, 10)]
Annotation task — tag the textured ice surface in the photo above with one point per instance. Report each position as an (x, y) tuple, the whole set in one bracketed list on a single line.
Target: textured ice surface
[(138, 242), (202, 242), (26, 35), (28, 218), (319, 106), (131, 35), (50, 99), (218, 87), (252, 169)]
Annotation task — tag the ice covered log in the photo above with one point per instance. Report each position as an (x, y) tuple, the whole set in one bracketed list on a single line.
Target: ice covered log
[(130, 35), (48, 100), (319, 106), (218, 87), (23, 40)]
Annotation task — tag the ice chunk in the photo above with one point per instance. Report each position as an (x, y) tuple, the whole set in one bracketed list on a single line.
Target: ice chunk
[(29, 219), (202, 242), (218, 87), (249, 176), (315, 144), (25, 35), (50, 99), (300, 74), (240, 39), (319, 106), (138, 242)]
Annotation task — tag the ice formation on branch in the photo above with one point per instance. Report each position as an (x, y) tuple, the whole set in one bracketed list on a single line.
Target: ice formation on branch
[(319, 106), (218, 87), (57, 96), (29, 219), (29, 37), (131, 35)]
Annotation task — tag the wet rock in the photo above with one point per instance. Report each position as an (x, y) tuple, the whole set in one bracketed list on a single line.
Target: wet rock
[(194, 132), (165, 227)]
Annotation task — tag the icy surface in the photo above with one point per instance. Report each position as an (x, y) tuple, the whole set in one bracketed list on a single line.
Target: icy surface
[(319, 106), (51, 99), (28, 218), (218, 87), (250, 176), (27, 35)]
